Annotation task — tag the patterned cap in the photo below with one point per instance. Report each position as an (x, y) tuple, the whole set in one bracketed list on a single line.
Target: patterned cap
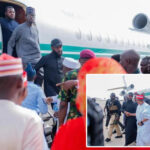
[(30, 10), (140, 97), (10, 65)]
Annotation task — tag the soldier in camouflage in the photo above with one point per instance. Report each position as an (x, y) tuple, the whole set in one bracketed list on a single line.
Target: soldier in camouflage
[(69, 95)]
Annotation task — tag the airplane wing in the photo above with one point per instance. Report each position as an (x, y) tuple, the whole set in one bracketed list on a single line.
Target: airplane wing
[(122, 87)]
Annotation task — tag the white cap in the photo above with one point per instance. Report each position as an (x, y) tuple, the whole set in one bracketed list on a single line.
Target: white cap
[(71, 63)]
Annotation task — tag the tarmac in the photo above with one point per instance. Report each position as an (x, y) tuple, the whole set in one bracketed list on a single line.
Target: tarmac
[(113, 143)]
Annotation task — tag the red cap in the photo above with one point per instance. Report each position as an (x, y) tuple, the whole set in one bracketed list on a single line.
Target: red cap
[(24, 76), (10, 65), (140, 97), (87, 53)]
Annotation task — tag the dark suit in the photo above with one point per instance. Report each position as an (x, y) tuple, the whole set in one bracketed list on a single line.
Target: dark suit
[(52, 65), (8, 27)]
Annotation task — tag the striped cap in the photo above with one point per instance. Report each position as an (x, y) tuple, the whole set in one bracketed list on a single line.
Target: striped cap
[(140, 97), (10, 66)]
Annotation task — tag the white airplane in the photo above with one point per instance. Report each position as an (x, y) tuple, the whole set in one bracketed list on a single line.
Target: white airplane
[(78, 31), (126, 88)]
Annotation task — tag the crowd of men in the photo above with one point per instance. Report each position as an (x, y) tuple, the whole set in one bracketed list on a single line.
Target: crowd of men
[(136, 111), (24, 126)]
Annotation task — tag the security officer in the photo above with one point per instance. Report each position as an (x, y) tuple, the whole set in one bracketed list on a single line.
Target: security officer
[(114, 108)]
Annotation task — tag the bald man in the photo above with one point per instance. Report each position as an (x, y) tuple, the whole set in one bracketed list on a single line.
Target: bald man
[(129, 61)]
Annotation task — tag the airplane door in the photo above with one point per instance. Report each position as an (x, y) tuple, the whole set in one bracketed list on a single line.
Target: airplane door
[(0, 39)]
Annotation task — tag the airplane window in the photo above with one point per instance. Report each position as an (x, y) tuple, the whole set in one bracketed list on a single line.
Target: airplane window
[(108, 39), (148, 46), (99, 38), (78, 34), (89, 36), (115, 40)]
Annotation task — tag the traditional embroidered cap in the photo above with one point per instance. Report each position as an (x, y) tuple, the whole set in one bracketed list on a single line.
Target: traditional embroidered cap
[(30, 10), (10, 65), (71, 63), (30, 71), (87, 53), (140, 97)]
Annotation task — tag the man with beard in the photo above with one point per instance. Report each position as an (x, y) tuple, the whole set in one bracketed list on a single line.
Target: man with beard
[(8, 24), (114, 108), (130, 121), (52, 65)]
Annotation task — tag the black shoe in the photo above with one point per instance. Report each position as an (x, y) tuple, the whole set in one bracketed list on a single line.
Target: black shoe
[(118, 136), (122, 129), (124, 132), (107, 140), (114, 132)]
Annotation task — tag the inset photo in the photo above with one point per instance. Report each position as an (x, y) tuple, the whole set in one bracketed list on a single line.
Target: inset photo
[(118, 110)]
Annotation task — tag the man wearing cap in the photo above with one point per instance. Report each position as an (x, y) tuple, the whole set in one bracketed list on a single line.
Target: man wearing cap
[(114, 107), (130, 121), (26, 39), (20, 128), (52, 65), (69, 95), (68, 65), (35, 99), (8, 24), (143, 121)]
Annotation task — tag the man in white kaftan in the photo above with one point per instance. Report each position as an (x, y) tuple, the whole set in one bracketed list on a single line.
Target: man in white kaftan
[(20, 128), (143, 122)]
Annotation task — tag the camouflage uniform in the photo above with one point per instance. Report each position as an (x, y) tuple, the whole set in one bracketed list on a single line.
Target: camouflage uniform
[(70, 95)]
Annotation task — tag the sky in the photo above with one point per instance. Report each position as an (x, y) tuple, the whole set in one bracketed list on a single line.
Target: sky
[(97, 85)]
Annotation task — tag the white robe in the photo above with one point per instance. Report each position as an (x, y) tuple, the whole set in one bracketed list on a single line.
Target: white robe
[(20, 128), (143, 132)]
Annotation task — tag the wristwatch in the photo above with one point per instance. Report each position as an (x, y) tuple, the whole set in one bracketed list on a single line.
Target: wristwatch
[(142, 123)]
